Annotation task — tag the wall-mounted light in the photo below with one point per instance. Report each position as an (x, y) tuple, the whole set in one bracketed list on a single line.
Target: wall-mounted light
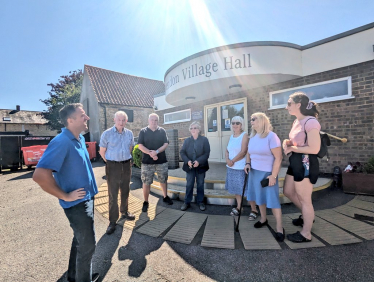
[(235, 86), (190, 98)]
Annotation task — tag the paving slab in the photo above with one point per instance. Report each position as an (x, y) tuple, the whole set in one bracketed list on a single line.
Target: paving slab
[(365, 198), (332, 234), (361, 204), (351, 211), (162, 221), (290, 229), (257, 238), (354, 226), (185, 230), (219, 232)]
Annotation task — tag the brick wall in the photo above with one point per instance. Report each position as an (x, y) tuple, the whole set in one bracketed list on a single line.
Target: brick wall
[(34, 129), (140, 117), (352, 119)]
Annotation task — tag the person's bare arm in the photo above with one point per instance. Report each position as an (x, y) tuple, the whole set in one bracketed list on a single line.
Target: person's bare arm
[(102, 153), (277, 153), (47, 182)]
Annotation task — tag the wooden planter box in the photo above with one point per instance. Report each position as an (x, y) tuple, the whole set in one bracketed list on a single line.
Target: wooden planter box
[(358, 183)]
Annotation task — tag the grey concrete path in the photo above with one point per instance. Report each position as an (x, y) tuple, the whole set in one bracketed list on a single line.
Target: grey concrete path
[(36, 237)]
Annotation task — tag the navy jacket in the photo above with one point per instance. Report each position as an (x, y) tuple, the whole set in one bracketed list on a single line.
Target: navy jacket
[(202, 148)]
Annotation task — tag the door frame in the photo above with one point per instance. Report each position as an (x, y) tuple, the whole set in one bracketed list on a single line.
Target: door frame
[(219, 132)]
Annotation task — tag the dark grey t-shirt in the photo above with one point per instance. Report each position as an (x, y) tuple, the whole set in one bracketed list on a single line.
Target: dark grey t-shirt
[(153, 140)]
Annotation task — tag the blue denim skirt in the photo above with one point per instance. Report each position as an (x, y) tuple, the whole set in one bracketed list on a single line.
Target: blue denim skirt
[(268, 195)]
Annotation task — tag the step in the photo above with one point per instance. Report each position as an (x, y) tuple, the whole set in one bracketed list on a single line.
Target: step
[(222, 197)]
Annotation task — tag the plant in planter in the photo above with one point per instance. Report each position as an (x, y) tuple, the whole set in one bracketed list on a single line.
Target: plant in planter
[(358, 178), (137, 156)]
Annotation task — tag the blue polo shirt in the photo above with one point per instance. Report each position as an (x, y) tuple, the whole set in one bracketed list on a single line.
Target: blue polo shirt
[(69, 160)]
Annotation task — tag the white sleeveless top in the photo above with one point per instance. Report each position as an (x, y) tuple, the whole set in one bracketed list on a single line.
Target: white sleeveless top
[(234, 147)]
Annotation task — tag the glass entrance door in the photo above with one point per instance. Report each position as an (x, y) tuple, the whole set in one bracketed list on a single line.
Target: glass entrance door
[(218, 125)]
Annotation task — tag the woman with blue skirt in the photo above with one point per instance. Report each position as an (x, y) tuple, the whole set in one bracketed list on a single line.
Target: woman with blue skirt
[(263, 162)]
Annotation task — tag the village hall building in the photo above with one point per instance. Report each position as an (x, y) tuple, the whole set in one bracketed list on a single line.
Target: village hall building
[(214, 85)]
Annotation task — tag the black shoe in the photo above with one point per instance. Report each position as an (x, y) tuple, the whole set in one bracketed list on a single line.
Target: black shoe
[(280, 236), (95, 278), (111, 228), (145, 206), (299, 221), (259, 224), (127, 215), (168, 200), (297, 238)]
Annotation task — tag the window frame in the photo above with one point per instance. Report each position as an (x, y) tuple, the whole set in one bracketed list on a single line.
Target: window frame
[(176, 121), (324, 100)]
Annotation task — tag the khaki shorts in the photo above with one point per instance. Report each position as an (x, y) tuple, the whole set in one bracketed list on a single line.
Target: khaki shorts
[(148, 171)]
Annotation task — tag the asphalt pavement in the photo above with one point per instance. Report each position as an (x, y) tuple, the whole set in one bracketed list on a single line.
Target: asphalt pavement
[(36, 239)]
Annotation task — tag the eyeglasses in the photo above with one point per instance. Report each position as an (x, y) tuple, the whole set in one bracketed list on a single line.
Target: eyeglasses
[(253, 119), (289, 104), (193, 128), (237, 123)]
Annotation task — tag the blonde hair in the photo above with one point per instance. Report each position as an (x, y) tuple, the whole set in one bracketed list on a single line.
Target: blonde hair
[(239, 119), (264, 125)]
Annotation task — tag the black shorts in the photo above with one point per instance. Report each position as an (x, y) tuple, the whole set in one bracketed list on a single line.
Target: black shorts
[(297, 170)]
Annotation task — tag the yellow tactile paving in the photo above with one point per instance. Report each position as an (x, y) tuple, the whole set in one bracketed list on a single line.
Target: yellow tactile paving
[(162, 222), (361, 204), (290, 229), (256, 238), (357, 227), (219, 232), (186, 228)]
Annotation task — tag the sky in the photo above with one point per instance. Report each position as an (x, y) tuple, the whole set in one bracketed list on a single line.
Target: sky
[(41, 40)]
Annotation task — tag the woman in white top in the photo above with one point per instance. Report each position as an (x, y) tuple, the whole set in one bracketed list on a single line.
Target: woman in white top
[(235, 161)]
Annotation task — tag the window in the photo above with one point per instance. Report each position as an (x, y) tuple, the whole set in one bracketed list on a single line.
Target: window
[(130, 114), (179, 116), (327, 91)]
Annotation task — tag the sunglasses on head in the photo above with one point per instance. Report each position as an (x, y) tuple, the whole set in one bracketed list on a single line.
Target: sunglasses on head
[(236, 122), (193, 128), (253, 119)]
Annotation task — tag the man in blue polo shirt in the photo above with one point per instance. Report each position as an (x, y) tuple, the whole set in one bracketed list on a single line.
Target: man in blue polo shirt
[(65, 172)]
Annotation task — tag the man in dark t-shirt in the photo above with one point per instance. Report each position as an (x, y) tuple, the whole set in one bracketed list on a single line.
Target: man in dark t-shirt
[(153, 142)]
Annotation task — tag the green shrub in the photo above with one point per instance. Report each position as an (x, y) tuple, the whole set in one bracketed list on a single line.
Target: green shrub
[(137, 156), (369, 166)]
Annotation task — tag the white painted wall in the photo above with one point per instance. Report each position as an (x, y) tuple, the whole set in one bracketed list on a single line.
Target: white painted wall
[(161, 103), (346, 51), (264, 60)]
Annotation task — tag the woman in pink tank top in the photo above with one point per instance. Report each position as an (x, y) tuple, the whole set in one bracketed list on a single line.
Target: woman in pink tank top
[(303, 144)]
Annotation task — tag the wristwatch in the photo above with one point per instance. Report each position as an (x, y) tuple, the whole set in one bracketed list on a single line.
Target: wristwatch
[(157, 151)]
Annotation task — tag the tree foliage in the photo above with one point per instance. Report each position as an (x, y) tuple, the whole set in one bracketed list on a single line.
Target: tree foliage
[(66, 91)]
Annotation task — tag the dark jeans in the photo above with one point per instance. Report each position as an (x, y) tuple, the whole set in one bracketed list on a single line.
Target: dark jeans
[(81, 218), (118, 177), (191, 176)]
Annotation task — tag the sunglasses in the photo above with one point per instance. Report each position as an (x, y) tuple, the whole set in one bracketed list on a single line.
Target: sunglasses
[(237, 123), (193, 128), (289, 104), (253, 119)]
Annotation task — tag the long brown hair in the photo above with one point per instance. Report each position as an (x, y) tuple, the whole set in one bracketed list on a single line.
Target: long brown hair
[(307, 108)]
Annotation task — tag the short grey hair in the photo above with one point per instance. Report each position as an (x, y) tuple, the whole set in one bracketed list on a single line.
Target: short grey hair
[(239, 119), (154, 114), (121, 113), (197, 124)]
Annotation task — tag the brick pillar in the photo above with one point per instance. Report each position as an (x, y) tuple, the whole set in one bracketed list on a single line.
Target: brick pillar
[(172, 151)]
